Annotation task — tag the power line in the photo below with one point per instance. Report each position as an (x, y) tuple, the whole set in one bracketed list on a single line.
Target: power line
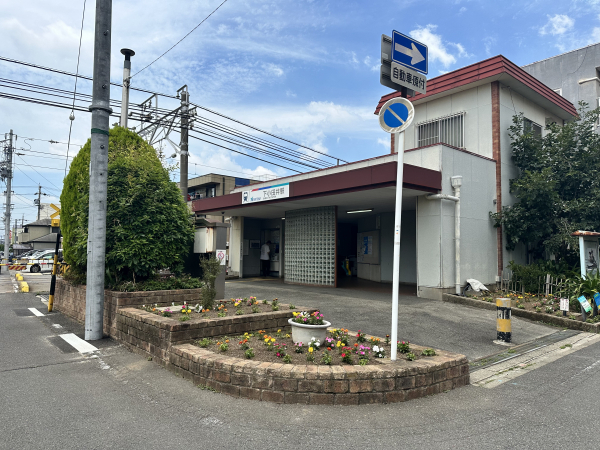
[(36, 66), (177, 43), (72, 115), (40, 173)]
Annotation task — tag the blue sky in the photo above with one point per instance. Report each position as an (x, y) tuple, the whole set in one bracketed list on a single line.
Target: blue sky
[(305, 70)]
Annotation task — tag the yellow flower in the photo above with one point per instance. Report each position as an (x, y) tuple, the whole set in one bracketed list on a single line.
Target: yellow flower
[(310, 349), (279, 331), (338, 343), (295, 314), (272, 339)]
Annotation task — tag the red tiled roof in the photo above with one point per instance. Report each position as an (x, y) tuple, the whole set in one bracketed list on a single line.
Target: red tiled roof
[(481, 70)]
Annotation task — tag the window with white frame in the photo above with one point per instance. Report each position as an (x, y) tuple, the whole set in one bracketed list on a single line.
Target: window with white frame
[(447, 130), (532, 127)]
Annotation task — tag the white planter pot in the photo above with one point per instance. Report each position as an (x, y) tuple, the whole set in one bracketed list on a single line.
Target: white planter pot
[(304, 333)]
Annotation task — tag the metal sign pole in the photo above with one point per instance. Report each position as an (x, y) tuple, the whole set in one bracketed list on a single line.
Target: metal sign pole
[(399, 149)]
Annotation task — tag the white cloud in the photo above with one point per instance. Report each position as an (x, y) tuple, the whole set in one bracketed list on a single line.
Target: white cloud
[(437, 49), (462, 10), (385, 142), (557, 25), (488, 42)]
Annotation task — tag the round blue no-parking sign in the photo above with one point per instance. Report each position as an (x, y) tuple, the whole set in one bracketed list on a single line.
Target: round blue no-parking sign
[(396, 115)]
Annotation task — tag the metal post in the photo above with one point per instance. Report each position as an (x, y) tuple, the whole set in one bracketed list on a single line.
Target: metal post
[(399, 150), (503, 317), (100, 108), (54, 271), (9, 175), (126, 83), (183, 161)]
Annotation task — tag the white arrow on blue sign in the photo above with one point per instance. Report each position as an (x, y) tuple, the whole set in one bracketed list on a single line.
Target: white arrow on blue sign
[(411, 53)]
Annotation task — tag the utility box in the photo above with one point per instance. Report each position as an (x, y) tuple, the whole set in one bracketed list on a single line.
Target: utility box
[(210, 239), (204, 240)]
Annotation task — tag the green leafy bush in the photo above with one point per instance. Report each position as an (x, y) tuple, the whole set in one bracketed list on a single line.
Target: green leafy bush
[(211, 268), (148, 224), (161, 284), (532, 276)]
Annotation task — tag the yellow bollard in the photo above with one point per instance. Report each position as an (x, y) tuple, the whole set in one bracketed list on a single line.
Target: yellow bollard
[(503, 325), (24, 286)]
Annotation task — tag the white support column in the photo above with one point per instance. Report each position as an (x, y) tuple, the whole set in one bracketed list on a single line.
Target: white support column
[(399, 150)]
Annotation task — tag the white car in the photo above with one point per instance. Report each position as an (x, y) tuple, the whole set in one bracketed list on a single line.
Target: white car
[(42, 263)]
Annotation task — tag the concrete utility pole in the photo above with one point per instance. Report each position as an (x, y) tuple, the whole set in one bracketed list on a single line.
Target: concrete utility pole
[(100, 108), (7, 175), (39, 205), (183, 162), (126, 83)]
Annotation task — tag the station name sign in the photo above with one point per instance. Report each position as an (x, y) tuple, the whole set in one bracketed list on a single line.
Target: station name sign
[(266, 193)]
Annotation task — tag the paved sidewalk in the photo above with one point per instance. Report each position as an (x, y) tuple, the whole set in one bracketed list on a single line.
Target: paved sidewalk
[(368, 306)]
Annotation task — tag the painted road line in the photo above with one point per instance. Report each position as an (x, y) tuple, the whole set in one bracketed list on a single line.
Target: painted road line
[(56, 325), (36, 312), (79, 344), (501, 372)]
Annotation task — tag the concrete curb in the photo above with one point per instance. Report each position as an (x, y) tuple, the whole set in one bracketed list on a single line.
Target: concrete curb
[(530, 315)]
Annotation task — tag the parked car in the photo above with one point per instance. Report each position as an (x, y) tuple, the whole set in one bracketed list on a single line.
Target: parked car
[(43, 262)]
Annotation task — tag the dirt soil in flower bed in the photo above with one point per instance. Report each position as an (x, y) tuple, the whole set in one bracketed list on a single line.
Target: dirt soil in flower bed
[(541, 304), (284, 345), (226, 308)]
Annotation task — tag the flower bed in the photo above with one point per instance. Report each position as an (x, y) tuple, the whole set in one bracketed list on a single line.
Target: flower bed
[(339, 347), (528, 311), (223, 308), (336, 384)]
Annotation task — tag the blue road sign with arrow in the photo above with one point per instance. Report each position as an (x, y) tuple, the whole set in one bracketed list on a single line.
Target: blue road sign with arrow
[(407, 51)]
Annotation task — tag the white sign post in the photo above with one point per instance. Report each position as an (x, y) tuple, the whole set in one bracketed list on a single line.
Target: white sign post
[(394, 117)]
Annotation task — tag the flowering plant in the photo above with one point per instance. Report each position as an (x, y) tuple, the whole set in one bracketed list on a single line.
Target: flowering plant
[(298, 347), (347, 355), (166, 312), (314, 344), (360, 337), (315, 318), (330, 343), (403, 347), (378, 352)]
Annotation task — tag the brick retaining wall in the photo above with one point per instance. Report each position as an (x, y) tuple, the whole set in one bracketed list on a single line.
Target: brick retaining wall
[(153, 335), (321, 385), (70, 300)]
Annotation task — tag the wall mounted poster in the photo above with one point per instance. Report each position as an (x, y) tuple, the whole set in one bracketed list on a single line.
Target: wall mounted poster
[(590, 248)]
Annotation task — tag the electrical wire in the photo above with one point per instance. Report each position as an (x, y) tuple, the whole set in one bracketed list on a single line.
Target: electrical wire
[(36, 66), (40, 173), (177, 43), (72, 116)]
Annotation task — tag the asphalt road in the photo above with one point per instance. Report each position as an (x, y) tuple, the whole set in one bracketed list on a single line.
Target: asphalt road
[(55, 398)]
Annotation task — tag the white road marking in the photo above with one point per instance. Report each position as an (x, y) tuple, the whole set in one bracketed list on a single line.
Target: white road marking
[(511, 368), (79, 344), (36, 312), (55, 325)]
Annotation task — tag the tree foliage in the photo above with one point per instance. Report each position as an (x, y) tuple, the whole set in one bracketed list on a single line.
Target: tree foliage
[(148, 224), (558, 187)]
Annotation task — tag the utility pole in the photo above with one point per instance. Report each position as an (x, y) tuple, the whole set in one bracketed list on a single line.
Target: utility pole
[(183, 161), (7, 175), (14, 236), (126, 83), (39, 202), (101, 110)]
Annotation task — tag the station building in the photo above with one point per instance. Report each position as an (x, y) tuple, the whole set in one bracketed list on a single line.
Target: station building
[(329, 227)]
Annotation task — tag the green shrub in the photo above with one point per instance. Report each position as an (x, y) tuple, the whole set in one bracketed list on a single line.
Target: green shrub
[(211, 268), (532, 276), (148, 224)]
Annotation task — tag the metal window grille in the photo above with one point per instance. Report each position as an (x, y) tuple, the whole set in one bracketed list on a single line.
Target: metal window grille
[(448, 130)]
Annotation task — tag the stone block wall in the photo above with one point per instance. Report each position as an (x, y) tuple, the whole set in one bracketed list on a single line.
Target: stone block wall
[(321, 385), (70, 300), (154, 335)]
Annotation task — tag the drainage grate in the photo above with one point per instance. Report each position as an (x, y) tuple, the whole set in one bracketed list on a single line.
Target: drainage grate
[(521, 349)]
